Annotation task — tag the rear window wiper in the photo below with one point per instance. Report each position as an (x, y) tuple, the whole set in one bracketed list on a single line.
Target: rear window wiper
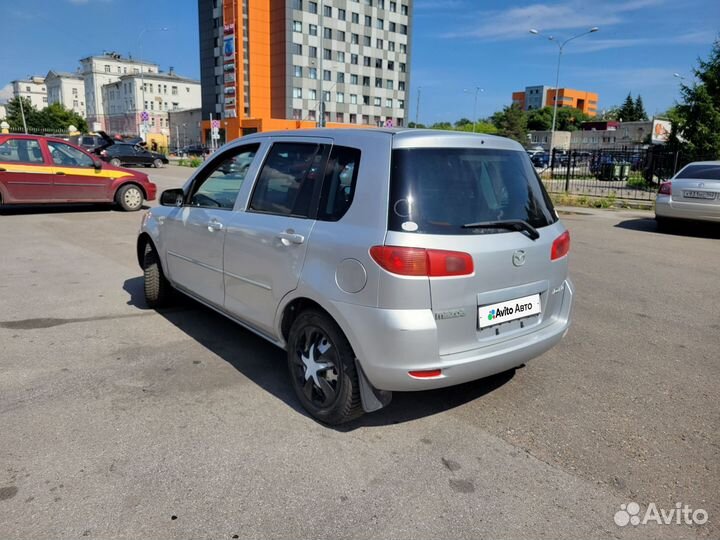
[(511, 224)]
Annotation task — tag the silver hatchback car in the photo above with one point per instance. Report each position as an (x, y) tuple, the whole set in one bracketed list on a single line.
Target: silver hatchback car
[(381, 260)]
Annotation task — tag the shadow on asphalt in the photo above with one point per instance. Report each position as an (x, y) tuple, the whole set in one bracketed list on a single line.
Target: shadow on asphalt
[(266, 364), (27, 209), (695, 229)]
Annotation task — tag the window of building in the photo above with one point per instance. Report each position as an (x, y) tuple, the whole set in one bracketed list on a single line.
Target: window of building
[(401, 103), (393, 7), (401, 85), (327, 33), (366, 100), (403, 9), (353, 118), (403, 48), (312, 73), (391, 65), (312, 94), (297, 26), (388, 102), (340, 56), (378, 82), (326, 96), (368, 20), (107, 70), (365, 119), (353, 99), (341, 14), (340, 77), (355, 18), (312, 29), (327, 11), (312, 7), (402, 67), (392, 26), (366, 81), (296, 48), (340, 97), (174, 90), (297, 93), (353, 78), (354, 39), (366, 41), (297, 114), (340, 35), (339, 117), (367, 61), (311, 115), (403, 29), (327, 75), (297, 4), (379, 43), (327, 54), (377, 101), (378, 63), (298, 71), (389, 84), (313, 52), (354, 59), (379, 23)]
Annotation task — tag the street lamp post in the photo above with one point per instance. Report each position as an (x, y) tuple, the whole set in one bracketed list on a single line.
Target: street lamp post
[(561, 46), (142, 74), (417, 107), (478, 89)]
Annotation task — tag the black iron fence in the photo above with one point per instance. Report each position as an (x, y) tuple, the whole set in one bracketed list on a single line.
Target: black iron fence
[(623, 172)]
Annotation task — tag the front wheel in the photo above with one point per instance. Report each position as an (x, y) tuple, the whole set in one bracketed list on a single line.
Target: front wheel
[(115, 162), (322, 369), (158, 290), (157, 163), (129, 197)]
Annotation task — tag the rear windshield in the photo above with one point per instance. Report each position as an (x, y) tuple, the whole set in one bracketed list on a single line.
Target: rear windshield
[(704, 172), (438, 190)]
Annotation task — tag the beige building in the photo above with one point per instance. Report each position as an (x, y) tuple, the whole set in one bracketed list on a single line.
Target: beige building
[(185, 128), (32, 88), (542, 138), (67, 89)]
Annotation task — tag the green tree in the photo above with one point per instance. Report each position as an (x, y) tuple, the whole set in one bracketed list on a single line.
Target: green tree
[(626, 112), (639, 110), (540, 119), (442, 125), (14, 112), (53, 118), (569, 119), (463, 122), (696, 121), (511, 122)]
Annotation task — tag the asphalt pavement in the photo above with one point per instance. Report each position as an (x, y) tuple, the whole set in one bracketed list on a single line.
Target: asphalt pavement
[(117, 421)]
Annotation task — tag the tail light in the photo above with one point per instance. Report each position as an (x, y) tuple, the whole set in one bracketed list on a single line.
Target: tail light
[(561, 246), (409, 261), (666, 188), (426, 374)]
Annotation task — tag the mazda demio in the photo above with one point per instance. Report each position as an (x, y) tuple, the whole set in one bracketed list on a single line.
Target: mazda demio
[(381, 260)]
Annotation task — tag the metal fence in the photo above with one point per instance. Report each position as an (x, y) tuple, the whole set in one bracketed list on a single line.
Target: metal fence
[(623, 172)]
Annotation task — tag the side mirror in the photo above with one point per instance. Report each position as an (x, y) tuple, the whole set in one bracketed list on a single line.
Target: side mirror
[(172, 197), (97, 164)]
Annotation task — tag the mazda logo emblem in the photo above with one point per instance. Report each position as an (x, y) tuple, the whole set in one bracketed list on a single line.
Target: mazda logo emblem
[(518, 257)]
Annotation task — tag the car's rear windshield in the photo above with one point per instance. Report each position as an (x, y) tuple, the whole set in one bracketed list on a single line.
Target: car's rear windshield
[(704, 172), (438, 190)]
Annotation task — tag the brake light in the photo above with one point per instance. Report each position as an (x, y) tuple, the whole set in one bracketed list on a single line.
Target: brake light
[(666, 188), (410, 261), (561, 246)]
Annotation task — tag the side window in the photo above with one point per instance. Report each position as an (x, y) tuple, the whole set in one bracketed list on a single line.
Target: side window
[(64, 154), (21, 151), (221, 181), (339, 185), (288, 179)]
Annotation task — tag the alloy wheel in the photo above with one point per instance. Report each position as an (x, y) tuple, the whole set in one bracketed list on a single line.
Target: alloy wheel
[(315, 367)]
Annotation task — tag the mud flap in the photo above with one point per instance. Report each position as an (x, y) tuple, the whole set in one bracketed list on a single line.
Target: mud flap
[(372, 398)]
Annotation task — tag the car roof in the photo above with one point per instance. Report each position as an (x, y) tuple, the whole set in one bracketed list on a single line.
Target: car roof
[(716, 163), (403, 137), (30, 137)]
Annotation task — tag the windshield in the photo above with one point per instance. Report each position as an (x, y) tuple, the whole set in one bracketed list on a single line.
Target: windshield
[(703, 172), (438, 190)]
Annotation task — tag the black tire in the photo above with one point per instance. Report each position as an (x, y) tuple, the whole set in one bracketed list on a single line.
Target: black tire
[(158, 291), (158, 163), (332, 393), (130, 198), (115, 162)]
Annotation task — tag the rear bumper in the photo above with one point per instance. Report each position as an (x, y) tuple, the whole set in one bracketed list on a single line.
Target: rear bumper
[(666, 207), (390, 343)]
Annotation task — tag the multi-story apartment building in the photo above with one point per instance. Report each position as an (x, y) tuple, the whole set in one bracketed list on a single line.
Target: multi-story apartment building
[(97, 71), (67, 89), (32, 88), (536, 97), (286, 64), (157, 93)]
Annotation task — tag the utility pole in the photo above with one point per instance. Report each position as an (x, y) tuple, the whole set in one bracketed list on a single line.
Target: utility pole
[(417, 107), (321, 76), (22, 113)]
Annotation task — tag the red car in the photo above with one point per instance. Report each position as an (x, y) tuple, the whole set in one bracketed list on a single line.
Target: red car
[(36, 169)]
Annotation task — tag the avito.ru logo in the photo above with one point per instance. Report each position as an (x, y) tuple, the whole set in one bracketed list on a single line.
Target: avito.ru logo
[(681, 514)]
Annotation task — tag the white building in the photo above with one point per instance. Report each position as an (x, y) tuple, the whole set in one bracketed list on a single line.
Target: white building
[(157, 93), (98, 71), (67, 89), (3, 111), (32, 88)]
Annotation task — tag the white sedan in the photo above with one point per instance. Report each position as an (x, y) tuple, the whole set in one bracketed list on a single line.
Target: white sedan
[(693, 193)]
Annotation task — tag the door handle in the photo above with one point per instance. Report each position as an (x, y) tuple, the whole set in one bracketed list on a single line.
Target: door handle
[(2, 169), (60, 173), (214, 225), (289, 237)]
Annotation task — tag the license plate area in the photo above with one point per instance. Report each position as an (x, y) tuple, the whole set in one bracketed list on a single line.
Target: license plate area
[(509, 310), (693, 194)]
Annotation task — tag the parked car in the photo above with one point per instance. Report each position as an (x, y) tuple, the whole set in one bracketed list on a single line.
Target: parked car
[(540, 159), (692, 194), (195, 150), (381, 260), (133, 154), (36, 169)]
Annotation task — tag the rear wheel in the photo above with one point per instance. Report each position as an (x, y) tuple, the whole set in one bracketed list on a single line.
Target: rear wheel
[(322, 368), (158, 290), (115, 162), (129, 197), (157, 163)]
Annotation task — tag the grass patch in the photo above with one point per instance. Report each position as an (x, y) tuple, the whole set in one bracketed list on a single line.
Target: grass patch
[(190, 162)]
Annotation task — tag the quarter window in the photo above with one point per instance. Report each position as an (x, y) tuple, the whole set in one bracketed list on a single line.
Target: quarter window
[(288, 179), (220, 187), (339, 185), (64, 154)]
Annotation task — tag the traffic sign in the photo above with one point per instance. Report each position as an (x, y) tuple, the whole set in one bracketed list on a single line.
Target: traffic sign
[(216, 124), (144, 116)]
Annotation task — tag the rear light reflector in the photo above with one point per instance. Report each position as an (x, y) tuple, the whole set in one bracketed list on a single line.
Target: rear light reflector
[(409, 261), (561, 246), (666, 188), (427, 374)]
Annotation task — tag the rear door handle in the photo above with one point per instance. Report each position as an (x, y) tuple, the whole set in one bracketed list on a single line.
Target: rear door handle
[(288, 238), (60, 173), (3, 170), (214, 225)]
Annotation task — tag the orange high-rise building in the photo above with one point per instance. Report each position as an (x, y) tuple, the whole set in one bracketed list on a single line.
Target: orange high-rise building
[(290, 64), (536, 97)]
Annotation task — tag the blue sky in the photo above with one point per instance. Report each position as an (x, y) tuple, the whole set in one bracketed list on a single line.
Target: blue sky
[(457, 45)]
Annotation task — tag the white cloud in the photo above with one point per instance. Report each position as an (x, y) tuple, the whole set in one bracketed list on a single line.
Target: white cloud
[(568, 15), (6, 93)]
